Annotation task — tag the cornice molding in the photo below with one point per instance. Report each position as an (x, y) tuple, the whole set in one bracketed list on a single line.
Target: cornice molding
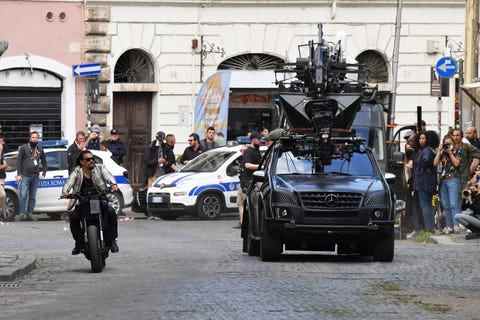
[(340, 3)]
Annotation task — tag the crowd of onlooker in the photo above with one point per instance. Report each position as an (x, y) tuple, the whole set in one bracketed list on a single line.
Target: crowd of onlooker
[(443, 179)]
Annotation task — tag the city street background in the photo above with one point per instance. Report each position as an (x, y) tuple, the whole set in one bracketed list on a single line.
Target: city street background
[(192, 269)]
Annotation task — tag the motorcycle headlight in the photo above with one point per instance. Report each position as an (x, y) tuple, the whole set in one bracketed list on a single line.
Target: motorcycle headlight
[(375, 200)]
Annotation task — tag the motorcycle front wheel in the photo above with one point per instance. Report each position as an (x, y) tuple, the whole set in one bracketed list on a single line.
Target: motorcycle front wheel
[(97, 259)]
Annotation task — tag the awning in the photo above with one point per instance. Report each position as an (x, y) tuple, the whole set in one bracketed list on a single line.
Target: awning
[(472, 90)]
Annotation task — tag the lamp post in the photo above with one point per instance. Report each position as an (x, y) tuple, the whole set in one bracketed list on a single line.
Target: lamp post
[(205, 50)]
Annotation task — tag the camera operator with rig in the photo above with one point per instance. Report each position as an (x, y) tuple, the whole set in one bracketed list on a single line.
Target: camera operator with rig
[(454, 159)]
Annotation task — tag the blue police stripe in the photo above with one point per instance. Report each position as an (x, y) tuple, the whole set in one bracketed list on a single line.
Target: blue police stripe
[(222, 187), (60, 182)]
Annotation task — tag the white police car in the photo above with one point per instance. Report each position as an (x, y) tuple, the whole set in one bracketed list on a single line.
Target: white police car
[(206, 186), (50, 186)]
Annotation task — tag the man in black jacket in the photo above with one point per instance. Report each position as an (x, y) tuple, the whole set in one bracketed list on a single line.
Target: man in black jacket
[(116, 147), (193, 150), (156, 160), (74, 150), (31, 161)]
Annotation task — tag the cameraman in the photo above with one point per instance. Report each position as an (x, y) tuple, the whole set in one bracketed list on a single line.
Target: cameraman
[(471, 200), (454, 159)]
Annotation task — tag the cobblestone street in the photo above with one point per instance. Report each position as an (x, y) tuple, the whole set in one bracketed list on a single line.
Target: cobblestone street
[(195, 270)]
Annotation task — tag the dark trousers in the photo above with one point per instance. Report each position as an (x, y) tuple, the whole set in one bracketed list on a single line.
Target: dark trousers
[(414, 213), (109, 221)]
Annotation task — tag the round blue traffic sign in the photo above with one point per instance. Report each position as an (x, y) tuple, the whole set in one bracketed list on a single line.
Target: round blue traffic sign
[(446, 67)]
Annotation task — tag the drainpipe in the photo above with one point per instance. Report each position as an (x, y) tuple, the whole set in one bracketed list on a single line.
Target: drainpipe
[(396, 53)]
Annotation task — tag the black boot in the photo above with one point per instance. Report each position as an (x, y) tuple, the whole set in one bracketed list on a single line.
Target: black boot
[(114, 247), (77, 249)]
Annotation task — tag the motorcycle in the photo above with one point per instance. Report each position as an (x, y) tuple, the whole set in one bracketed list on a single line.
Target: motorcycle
[(91, 219)]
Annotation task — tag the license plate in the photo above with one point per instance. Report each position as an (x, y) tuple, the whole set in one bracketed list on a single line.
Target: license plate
[(157, 200), (94, 206)]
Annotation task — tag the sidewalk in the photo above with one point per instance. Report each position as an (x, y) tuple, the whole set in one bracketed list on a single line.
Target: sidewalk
[(13, 266), (454, 239)]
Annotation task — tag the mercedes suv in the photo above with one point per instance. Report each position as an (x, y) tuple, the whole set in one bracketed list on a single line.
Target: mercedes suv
[(344, 206)]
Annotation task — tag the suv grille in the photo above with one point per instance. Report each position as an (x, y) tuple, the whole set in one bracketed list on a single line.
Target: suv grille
[(327, 200)]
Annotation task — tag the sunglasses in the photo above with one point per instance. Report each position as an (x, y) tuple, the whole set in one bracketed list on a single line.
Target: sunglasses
[(190, 140), (88, 159)]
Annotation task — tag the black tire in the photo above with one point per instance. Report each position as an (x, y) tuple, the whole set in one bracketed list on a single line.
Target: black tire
[(271, 246), (244, 245), (55, 215), (168, 216), (253, 246), (11, 206), (383, 249), (95, 250), (209, 206), (115, 200)]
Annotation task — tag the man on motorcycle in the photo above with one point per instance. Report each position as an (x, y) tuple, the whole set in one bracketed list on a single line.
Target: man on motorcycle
[(86, 179)]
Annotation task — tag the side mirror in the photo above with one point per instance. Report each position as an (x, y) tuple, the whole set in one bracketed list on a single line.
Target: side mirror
[(390, 177), (397, 157), (259, 176)]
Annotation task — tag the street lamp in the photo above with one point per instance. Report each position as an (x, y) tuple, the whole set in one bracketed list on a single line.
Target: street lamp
[(3, 46)]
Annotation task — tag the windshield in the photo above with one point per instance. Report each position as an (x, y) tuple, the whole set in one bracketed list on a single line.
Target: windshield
[(358, 165), (208, 162), (374, 139)]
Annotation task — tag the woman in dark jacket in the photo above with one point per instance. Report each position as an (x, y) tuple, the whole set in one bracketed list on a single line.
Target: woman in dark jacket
[(425, 180)]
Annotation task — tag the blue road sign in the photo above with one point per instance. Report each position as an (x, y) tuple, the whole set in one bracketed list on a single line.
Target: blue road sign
[(86, 70), (446, 67)]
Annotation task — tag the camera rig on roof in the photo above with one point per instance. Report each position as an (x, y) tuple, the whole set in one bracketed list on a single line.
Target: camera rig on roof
[(318, 100)]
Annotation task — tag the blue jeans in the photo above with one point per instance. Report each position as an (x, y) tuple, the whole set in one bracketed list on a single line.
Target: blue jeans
[(425, 203), (28, 193), (450, 199)]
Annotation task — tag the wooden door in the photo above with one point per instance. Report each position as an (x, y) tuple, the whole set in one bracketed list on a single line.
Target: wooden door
[(132, 114)]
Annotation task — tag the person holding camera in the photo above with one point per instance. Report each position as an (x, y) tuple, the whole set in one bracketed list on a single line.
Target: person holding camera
[(471, 200), (454, 159), (425, 180), (31, 161)]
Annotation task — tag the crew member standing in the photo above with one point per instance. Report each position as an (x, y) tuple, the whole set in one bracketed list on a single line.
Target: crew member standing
[(3, 167), (116, 147), (209, 142), (31, 161), (250, 163), (74, 150)]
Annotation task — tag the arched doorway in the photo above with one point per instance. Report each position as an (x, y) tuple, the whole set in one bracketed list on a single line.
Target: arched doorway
[(376, 64), (252, 86), (132, 109)]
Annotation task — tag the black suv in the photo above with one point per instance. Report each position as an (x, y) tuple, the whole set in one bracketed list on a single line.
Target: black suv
[(346, 205)]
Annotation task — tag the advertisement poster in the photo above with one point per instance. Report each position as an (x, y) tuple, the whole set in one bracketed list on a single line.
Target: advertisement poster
[(211, 106)]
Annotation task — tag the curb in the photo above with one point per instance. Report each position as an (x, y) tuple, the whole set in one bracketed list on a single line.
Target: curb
[(18, 266), (445, 240)]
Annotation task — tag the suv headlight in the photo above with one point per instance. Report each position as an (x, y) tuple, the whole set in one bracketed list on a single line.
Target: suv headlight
[(375, 200)]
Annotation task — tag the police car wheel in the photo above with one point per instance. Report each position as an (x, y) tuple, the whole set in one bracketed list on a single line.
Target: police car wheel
[(116, 201), (209, 206), (11, 206)]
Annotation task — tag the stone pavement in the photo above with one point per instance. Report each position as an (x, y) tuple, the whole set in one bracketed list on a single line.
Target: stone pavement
[(13, 266)]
